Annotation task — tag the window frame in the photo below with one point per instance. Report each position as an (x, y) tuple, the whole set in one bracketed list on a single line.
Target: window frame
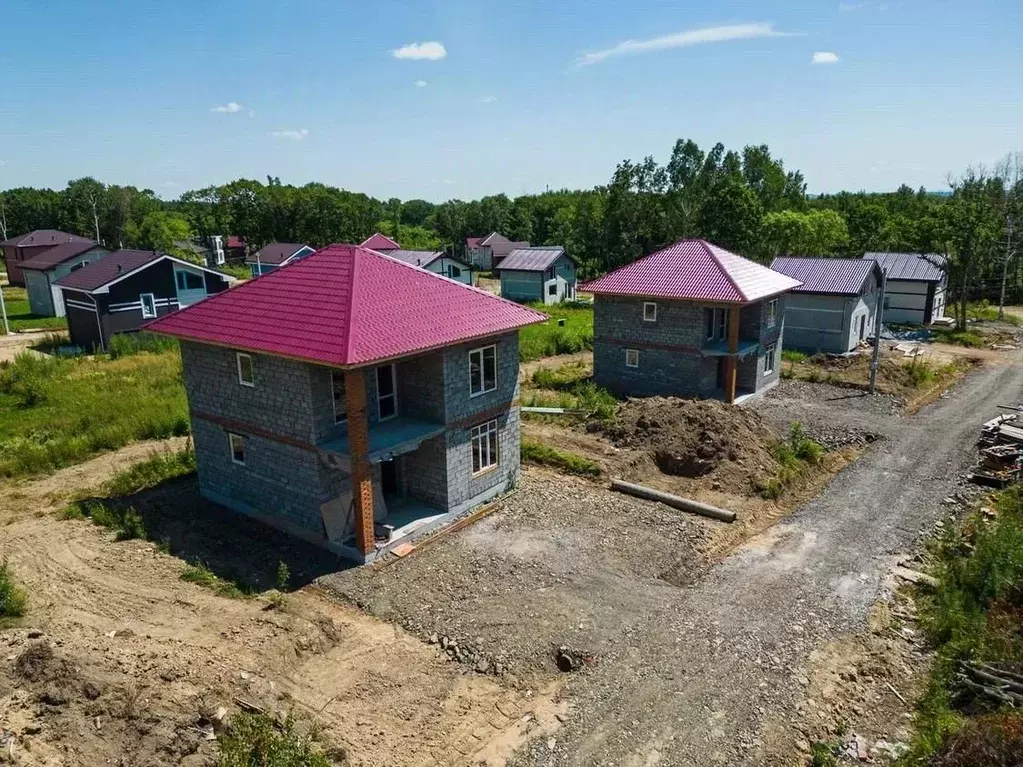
[(231, 437), (454, 272), (653, 305), (718, 323), (182, 275), (393, 396), (632, 352), (336, 375), (142, 305), (79, 265), (552, 288), (483, 376), (770, 352), (772, 313), (251, 383), (487, 433)]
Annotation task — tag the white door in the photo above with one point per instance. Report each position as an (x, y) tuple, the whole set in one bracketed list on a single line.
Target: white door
[(58, 301)]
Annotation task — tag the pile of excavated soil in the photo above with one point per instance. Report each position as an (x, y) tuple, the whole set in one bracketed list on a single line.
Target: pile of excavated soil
[(697, 438)]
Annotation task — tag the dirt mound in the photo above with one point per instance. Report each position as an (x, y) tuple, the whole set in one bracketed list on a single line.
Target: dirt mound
[(39, 663), (695, 438)]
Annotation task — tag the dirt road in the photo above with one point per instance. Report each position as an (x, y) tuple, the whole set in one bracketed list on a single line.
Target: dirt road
[(713, 677)]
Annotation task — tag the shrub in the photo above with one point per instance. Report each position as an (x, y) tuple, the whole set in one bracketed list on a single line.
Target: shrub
[(995, 740), (259, 739), (200, 574), (570, 463), (791, 355), (794, 456), (968, 338), (127, 344), (124, 521), (13, 600), (823, 755), (160, 467)]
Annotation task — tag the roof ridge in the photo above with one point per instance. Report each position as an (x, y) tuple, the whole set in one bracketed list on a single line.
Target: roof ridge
[(728, 276), (346, 349)]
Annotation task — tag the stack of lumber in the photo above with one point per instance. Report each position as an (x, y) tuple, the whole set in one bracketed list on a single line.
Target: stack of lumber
[(1001, 448)]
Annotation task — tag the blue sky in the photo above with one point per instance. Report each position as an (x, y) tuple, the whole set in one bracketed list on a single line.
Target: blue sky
[(527, 94)]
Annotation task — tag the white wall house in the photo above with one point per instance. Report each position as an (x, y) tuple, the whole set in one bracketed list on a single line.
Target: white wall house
[(916, 286)]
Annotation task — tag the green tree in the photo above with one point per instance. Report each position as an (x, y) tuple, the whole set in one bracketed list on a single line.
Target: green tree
[(163, 232)]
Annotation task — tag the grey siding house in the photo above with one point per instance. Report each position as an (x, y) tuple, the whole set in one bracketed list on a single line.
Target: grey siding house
[(487, 252), (691, 320), (915, 286), (372, 405), (42, 271), (437, 262), (275, 255), (543, 274), (836, 306)]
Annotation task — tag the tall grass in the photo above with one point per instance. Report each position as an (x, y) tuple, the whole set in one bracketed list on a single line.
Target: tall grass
[(127, 344), (549, 338), (985, 312), (794, 456), (976, 615), (13, 600), (58, 411)]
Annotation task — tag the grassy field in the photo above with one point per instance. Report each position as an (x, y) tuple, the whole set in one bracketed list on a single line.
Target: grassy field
[(548, 339), (20, 318), (57, 411)]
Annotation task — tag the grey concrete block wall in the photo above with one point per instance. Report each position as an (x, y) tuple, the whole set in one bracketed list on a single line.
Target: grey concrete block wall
[(466, 490), (458, 404), (426, 473), (660, 372), (678, 323)]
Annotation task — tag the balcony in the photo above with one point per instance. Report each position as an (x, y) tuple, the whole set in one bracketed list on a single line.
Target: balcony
[(720, 348), (387, 439)]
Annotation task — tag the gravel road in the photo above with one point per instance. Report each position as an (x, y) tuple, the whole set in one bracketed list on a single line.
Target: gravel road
[(713, 677)]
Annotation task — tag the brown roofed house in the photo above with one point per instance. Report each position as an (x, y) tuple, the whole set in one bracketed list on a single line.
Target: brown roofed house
[(24, 247)]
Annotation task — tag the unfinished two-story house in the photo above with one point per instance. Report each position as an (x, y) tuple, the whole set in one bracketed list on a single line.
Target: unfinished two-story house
[(352, 399), (689, 320)]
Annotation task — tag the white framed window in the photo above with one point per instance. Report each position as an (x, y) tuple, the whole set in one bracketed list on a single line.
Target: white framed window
[(769, 354), (148, 301), (482, 370), (387, 392), (246, 373), (632, 358), (337, 385), (552, 289), (649, 311), (717, 324), (237, 444), (484, 447), (772, 312)]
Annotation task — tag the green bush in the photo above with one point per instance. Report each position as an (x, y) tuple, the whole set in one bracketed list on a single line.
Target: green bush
[(127, 344), (570, 463), (794, 456), (791, 355), (259, 740), (126, 523), (13, 600), (201, 575)]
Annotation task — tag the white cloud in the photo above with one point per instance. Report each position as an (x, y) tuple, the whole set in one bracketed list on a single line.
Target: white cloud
[(488, 99), (294, 135), (421, 83), (431, 51), (825, 57), (682, 40), (229, 108)]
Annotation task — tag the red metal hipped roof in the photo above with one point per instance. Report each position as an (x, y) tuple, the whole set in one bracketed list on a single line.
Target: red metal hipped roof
[(379, 242), (693, 270), (346, 306)]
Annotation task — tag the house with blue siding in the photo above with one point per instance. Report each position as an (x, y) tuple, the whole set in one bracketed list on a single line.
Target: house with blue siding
[(435, 261), (42, 272), (836, 306), (352, 399), (276, 255), (545, 274), (691, 320)]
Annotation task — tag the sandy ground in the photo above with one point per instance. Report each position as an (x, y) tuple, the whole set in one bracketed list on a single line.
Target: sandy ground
[(12, 345), (119, 613)]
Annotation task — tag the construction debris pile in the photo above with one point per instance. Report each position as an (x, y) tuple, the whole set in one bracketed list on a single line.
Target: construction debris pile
[(1000, 447)]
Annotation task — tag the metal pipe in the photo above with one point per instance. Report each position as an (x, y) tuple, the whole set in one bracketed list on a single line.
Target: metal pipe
[(676, 502)]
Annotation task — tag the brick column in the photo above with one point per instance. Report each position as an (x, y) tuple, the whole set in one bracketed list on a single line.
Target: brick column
[(732, 361), (358, 449)]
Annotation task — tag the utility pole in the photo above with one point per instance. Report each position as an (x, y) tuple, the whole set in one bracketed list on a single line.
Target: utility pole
[(878, 323)]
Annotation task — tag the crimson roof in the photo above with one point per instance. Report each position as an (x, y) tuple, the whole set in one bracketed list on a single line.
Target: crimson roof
[(58, 254), (923, 267), (42, 237), (346, 306), (843, 276), (538, 259), (473, 242), (380, 242), (275, 252), (693, 270), (235, 241)]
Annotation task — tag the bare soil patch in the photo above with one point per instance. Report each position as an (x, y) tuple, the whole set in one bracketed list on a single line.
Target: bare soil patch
[(119, 661)]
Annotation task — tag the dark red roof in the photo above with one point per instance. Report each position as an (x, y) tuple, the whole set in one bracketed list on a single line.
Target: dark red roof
[(99, 273), (380, 242), (473, 242), (234, 241), (58, 254), (42, 237), (693, 270), (275, 252), (346, 306)]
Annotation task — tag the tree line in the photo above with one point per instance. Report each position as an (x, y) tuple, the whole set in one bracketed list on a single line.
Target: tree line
[(746, 201)]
